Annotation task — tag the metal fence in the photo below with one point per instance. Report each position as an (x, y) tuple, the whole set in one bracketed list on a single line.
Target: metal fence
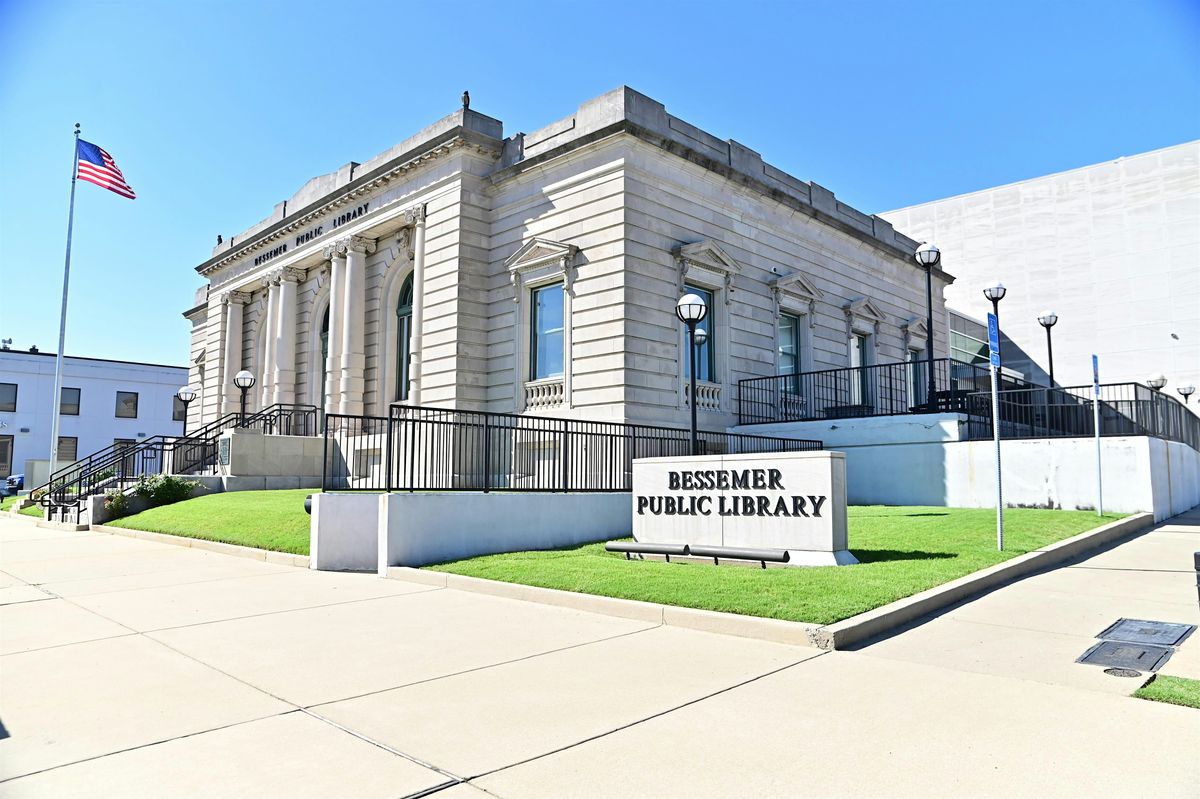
[(431, 449), (1126, 409), (888, 389)]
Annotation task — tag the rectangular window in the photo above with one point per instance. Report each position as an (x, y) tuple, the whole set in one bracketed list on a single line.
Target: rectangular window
[(705, 361), (6, 448), (127, 402), (860, 381), (178, 410), (918, 381), (546, 347), (68, 402), (789, 345), (8, 396), (68, 449)]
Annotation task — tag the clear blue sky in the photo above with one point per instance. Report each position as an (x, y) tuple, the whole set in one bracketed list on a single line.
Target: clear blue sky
[(217, 110)]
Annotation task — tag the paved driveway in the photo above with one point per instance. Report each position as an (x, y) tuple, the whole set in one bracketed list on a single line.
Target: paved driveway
[(130, 668)]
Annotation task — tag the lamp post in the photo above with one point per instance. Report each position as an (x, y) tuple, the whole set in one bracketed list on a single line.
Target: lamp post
[(691, 310), (995, 292), (244, 381), (928, 256), (1186, 391), (185, 395), (1049, 319)]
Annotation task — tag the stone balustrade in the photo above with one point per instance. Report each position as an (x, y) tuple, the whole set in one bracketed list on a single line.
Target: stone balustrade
[(708, 396), (542, 394)]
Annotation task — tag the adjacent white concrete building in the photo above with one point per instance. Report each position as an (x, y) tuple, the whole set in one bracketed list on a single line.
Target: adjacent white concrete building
[(103, 402), (1112, 248), (538, 272)]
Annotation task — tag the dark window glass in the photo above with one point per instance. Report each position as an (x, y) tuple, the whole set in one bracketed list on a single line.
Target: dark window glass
[(6, 448), (178, 410), (68, 449), (546, 349), (127, 402), (789, 344), (403, 339), (705, 353), (8, 396), (69, 402)]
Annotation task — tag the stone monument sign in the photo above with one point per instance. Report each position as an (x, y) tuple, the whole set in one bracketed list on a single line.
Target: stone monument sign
[(789, 501)]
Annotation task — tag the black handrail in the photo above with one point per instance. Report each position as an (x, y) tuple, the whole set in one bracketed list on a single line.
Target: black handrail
[(420, 448), (117, 465), (887, 389), (1126, 409)]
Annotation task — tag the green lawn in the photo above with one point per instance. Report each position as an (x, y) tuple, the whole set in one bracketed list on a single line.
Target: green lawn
[(7, 503), (1174, 690), (264, 519), (903, 550)]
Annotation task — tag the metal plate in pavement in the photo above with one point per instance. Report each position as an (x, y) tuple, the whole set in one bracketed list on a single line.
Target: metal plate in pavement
[(1139, 631), (1123, 655)]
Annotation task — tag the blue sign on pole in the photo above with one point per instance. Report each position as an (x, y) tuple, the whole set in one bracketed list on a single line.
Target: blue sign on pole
[(1096, 375), (994, 340)]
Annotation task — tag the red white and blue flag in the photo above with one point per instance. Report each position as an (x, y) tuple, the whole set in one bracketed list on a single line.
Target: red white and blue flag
[(97, 166)]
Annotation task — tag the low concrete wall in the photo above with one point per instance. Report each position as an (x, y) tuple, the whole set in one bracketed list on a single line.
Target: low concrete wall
[(375, 531), (344, 532), (273, 457), (98, 514), (918, 460)]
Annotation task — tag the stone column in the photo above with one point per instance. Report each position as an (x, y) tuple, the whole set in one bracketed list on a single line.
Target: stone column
[(266, 370), (285, 336), (354, 360), (336, 253), (231, 361), (416, 218)]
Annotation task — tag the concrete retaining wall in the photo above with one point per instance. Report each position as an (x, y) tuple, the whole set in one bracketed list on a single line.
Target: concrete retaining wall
[(918, 460), (375, 531)]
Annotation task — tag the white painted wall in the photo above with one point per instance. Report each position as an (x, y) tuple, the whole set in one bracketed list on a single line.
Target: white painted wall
[(345, 532), (97, 424)]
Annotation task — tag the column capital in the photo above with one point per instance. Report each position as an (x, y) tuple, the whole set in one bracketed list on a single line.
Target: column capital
[(337, 249), (235, 297), (415, 215), (293, 274), (360, 244)]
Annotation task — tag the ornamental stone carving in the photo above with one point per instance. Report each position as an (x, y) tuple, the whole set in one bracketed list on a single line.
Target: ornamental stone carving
[(541, 258), (234, 296), (293, 274), (359, 244), (415, 215)]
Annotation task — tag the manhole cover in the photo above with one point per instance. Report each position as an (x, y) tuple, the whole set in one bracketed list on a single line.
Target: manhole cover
[(1122, 655), (1139, 631), (1123, 672)]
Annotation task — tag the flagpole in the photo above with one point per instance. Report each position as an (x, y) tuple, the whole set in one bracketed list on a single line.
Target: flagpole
[(62, 319)]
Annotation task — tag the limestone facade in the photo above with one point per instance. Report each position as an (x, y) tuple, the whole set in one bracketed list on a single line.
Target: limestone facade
[(445, 241)]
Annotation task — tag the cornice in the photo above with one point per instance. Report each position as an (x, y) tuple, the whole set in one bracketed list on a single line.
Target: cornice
[(456, 139)]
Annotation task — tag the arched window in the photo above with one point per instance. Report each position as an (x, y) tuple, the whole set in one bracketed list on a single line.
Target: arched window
[(403, 337), (324, 356)]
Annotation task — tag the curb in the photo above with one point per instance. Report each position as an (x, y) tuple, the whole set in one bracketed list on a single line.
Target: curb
[(776, 630), (236, 550), (840, 635), (846, 633)]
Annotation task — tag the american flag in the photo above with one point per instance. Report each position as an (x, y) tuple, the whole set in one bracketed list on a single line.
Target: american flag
[(97, 166)]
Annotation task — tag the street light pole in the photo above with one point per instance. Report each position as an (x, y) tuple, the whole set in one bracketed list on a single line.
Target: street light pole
[(185, 395), (691, 310), (244, 381), (928, 256), (995, 292), (1049, 319)]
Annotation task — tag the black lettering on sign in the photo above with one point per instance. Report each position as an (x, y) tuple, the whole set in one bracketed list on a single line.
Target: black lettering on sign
[(817, 502), (673, 481), (740, 481)]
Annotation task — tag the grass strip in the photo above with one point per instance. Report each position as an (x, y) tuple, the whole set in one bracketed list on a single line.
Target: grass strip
[(1172, 690), (903, 551), (272, 520)]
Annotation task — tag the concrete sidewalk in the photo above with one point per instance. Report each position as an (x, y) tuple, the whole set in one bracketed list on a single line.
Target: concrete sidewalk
[(132, 668)]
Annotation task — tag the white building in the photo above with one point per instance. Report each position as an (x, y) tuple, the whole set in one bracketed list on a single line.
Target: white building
[(1113, 249), (103, 403), (539, 272)]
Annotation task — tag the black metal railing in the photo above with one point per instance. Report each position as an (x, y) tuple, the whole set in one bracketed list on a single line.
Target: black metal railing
[(119, 466), (432, 449), (887, 389), (1126, 409)]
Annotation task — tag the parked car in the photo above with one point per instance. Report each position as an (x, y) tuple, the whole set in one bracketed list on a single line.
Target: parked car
[(15, 482)]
